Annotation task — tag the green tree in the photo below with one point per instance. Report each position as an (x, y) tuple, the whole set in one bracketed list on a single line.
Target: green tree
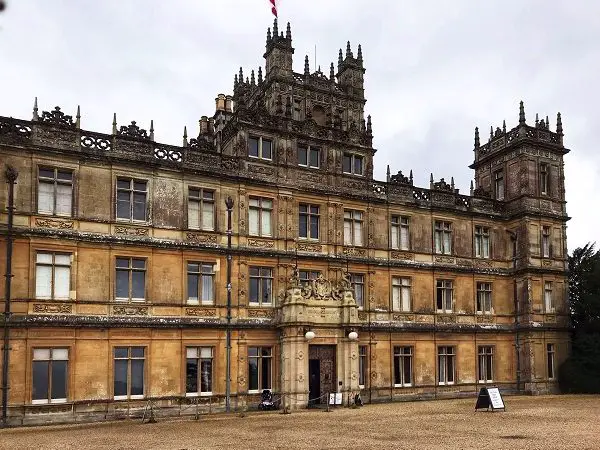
[(581, 371)]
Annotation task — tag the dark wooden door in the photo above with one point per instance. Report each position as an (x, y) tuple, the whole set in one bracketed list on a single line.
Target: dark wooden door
[(325, 354), (314, 384)]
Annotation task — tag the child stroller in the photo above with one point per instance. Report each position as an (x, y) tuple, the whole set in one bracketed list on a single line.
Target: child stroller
[(266, 401)]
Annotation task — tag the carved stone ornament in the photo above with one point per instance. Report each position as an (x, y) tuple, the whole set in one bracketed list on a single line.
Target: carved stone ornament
[(261, 313), (131, 231), (200, 238), (57, 117), (53, 223), (201, 312), (130, 310), (402, 255), (133, 131), (52, 308), (399, 178), (309, 247), (323, 289), (259, 243)]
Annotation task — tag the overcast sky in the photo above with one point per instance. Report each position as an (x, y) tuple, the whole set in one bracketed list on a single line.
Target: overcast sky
[(434, 71)]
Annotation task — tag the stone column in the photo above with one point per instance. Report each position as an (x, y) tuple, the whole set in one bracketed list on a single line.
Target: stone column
[(294, 369)]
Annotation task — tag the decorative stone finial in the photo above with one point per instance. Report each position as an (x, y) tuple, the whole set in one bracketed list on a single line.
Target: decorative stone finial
[(340, 58), (359, 56), (387, 178), (559, 126), (241, 76), (288, 107), (268, 35), (306, 66), (185, 140), (471, 189), (410, 177), (252, 79), (288, 31), (78, 118), (152, 130), (348, 50), (521, 113), (537, 120), (114, 124), (275, 29), (477, 142), (369, 125), (35, 111), (260, 76), (504, 126), (547, 122), (331, 72)]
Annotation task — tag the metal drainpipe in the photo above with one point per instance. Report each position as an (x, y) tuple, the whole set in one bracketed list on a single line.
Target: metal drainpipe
[(11, 178), (229, 205)]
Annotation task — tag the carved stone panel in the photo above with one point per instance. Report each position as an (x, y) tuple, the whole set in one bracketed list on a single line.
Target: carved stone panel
[(52, 308)]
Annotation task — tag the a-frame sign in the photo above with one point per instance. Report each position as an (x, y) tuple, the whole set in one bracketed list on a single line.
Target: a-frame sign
[(489, 398)]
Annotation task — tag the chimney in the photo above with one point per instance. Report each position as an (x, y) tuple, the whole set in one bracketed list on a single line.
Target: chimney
[(228, 104), (220, 101), (203, 125)]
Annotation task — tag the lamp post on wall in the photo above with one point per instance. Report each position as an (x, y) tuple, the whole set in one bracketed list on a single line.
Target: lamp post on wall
[(11, 178), (229, 205)]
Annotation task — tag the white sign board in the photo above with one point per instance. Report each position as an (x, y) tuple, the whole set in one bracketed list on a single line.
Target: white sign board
[(495, 398), (335, 398)]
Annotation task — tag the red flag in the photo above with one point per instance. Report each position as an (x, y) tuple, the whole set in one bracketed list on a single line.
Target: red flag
[(274, 8)]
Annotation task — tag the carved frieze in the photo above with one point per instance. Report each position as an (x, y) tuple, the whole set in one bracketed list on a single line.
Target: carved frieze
[(54, 223), (261, 170), (353, 251), (446, 319), (483, 263), (201, 238), (309, 247), (261, 313), (131, 231), (402, 255), (464, 262), (201, 312), (261, 243), (52, 308), (130, 310), (403, 317), (485, 319), (444, 259)]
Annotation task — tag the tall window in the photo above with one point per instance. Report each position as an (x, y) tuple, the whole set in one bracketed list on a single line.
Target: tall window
[(201, 209), (309, 156), (52, 276), (308, 221), (444, 296), (261, 285), (482, 242), (353, 164), (546, 242), (548, 297), (261, 148), (131, 199), (446, 364), (362, 365), (400, 232), (55, 191), (201, 283), (129, 372), (485, 366), (198, 371), (401, 294), (499, 185), (550, 360), (308, 275), (358, 285), (259, 368), (543, 178), (484, 297), (402, 366), (131, 279), (260, 211), (353, 227), (49, 375), (443, 237)]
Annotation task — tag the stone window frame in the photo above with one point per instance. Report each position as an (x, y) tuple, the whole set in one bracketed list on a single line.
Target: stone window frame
[(499, 184), (309, 214), (260, 357), (68, 386), (480, 288), (200, 274), (260, 277), (400, 225), (353, 157), (546, 241), (131, 269), (551, 361), (201, 200), (260, 139), (401, 277), (354, 221), (132, 178), (548, 296), (272, 211), (146, 379), (363, 365), (447, 353), (485, 363), (199, 358), (309, 149), (544, 171), (480, 233), (55, 182), (399, 356), (53, 252), (445, 288)]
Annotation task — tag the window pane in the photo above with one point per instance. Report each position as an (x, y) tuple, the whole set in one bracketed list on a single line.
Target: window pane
[(191, 375), (254, 290), (397, 379), (120, 352), (253, 221), (358, 165), (395, 239), (137, 352), (407, 370), (60, 354), (302, 156), (122, 284), (314, 158), (266, 373), (40, 380), (206, 380), (347, 164), (138, 263), (314, 227), (303, 226), (193, 214), (208, 219), (266, 290), (124, 184), (47, 173), (59, 379), (138, 284), (139, 206), (63, 199), (139, 185), (266, 223), (137, 377), (45, 197), (123, 206), (122, 262), (44, 258), (253, 374), (193, 287), (450, 374), (43, 282), (120, 385), (347, 232), (62, 278), (64, 175), (358, 233), (207, 288), (253, 147), (266, 149)]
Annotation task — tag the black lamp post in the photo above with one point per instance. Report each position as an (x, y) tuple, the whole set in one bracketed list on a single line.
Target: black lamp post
[(11, 178), (229, 205)]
